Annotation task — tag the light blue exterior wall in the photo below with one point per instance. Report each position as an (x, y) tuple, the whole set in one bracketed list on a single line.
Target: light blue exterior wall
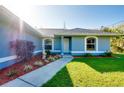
[(36, 40), (103, 43), (8, 34), (12, 29), (5, 38), (77, 43), (57, 43)]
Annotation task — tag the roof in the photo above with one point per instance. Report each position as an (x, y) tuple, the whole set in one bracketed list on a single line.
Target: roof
[(47, 32), (14, 20), (76, 32)]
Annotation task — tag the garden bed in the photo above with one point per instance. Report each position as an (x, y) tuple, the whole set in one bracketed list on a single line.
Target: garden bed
[(21, 68)]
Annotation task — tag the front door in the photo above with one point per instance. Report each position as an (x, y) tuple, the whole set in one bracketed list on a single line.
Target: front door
[(66, 45)]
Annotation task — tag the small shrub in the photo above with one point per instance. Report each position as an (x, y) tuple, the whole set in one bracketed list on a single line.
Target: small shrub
[(11, 72), (48, 53), (51, 59), (107, 54), (27, 68), (57, 56), (88, 55), (38, 63)]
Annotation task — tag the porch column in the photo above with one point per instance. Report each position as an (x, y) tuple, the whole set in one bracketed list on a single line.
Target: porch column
[(43, 50), (62, 45)]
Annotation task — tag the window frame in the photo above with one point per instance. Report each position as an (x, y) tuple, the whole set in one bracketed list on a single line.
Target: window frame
[(96, 44), (52, 45), (91, 44)]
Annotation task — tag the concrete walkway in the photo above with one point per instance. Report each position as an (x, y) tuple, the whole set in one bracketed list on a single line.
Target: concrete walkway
[(40, 76)]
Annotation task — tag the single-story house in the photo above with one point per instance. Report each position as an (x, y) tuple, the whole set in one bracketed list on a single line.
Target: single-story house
[(76, 41)]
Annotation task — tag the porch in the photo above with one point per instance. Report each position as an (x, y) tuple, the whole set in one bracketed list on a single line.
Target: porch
[(62, 46)]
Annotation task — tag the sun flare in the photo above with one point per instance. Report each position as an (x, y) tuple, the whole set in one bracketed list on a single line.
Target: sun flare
[(24, 12)]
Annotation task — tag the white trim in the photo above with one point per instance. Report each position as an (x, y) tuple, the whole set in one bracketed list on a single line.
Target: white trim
[(8, 58), (88, 51), (52, 44), (62, 47), (50, 50), (66, 45), (4, 59), (85, 41), (56, 51), (37, 51), (43, 43)]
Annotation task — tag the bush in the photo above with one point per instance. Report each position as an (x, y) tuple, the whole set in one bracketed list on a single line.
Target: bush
[(107, 54), (38, 63), (23, 49), (51, 59), (11, 72), (55, 57), (48, 53), (27, 68), (88, 55)]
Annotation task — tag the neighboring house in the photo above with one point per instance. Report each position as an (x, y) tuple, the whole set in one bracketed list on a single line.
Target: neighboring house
[(63, 41)]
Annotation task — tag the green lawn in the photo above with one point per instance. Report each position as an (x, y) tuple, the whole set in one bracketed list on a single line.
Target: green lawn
[(90, 72)]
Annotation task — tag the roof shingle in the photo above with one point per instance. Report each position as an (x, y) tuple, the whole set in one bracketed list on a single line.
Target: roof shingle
[(76, 31)]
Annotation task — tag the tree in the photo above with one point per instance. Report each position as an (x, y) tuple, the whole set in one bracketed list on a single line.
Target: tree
[(23, 49), (117, 43)]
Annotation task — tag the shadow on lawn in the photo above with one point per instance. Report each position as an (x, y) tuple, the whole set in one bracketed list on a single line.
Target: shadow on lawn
[(61, 79), (115, 64)]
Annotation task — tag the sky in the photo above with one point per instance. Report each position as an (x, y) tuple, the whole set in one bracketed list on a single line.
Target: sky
[(74, 16)]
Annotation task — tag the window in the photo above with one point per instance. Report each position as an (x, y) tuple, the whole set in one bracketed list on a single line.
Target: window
[(91, 44), (48, 44)]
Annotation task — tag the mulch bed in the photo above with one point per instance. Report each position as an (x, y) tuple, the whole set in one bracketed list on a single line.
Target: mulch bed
[(19, 68)]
